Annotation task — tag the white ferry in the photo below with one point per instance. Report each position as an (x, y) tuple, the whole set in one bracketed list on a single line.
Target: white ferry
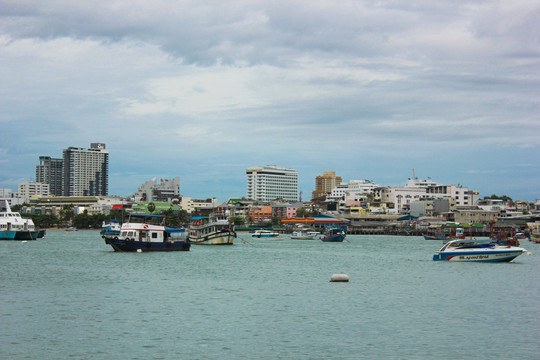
[(14, 227)]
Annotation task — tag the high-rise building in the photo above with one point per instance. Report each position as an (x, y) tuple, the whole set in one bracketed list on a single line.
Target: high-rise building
[(272, 182), (86, 171), (325, 183), (49, 171)]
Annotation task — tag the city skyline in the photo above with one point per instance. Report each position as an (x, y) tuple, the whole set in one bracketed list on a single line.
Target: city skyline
[(369, 90)]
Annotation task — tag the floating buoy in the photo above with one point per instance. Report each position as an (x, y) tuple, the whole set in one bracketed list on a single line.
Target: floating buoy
[(139, 250), (339, 278)]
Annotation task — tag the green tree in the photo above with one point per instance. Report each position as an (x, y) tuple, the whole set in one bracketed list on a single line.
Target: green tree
[(237, 220)]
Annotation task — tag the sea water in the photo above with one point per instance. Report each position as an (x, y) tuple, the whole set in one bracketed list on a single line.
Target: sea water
[(70, 296)]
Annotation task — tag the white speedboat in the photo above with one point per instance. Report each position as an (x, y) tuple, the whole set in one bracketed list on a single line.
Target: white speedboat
[(211, 230), (304, 235), (460, 250), (265, 234)]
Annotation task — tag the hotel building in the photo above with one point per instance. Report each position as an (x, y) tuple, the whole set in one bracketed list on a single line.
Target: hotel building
[(272, 182), (86, 171), (325, 183)]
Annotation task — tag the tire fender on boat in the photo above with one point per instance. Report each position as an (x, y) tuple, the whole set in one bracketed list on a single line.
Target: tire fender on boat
[(148, 244)]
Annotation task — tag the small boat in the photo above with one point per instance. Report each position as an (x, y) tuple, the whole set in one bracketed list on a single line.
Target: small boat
[(14, 227), (72, 228), (265, 234), (304, 235), (459, 250), (334, 235), (453, 235), (443, 237), (111, 228), (144, 232), (211, 230)]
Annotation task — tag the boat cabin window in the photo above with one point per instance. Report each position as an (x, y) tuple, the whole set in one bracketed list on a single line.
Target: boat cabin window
[(154, 235)]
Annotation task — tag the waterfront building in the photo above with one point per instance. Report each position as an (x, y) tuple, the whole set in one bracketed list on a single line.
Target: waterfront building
[(166, 191), (49, 171), (32, 188), (461, 195), (272, 182), (86, 171), (325, 183), (285, 211), (261, 213)]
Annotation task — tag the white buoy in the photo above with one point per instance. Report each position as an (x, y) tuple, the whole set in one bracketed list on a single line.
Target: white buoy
[(139, 250), (339, 278)]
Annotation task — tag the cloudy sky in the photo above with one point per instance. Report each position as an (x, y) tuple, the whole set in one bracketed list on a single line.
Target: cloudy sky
[(205, 89)]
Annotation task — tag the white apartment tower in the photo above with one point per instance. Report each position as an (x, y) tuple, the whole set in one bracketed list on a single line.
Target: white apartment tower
[(86, 171), (272, 182)]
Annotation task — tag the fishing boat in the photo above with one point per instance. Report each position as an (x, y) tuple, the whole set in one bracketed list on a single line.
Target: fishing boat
[(265, 234), (459, 250), (111, 228), (334, 235), (211, 230), (14, 227), (144, 232), (453, 235)]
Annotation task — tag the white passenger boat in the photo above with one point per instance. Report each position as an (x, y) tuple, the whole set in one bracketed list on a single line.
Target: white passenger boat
[(14, 227), (460, 250), (211, 230), (265, 234)]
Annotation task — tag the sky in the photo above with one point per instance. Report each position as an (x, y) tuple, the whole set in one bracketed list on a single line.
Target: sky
[(204, 90)]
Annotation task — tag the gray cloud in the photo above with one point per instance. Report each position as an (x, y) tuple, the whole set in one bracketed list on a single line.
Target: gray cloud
[(356, 86)]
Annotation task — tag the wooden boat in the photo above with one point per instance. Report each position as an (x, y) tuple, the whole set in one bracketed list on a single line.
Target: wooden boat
[(211, 230), (334, 235)]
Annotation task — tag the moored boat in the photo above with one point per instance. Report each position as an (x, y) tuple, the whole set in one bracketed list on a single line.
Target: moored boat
[(334, 235), (144, 232), (265, 234), (459, 250), (304, 235), (14, 227), (211, 230), (111, 228)]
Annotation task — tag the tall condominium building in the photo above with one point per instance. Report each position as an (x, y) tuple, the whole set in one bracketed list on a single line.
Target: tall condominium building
[(325, 183), (49, 171), (86, 171), (272, 182)]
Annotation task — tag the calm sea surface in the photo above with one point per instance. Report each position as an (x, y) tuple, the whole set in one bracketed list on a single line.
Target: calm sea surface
[(70, 296)]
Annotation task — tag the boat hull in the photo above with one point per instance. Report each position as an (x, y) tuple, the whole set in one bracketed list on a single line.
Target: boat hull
[(222, 238), (303, 237), (7, 235), (334, 238), (479, 256), (19, 235), (443, 238), (145, 246)]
